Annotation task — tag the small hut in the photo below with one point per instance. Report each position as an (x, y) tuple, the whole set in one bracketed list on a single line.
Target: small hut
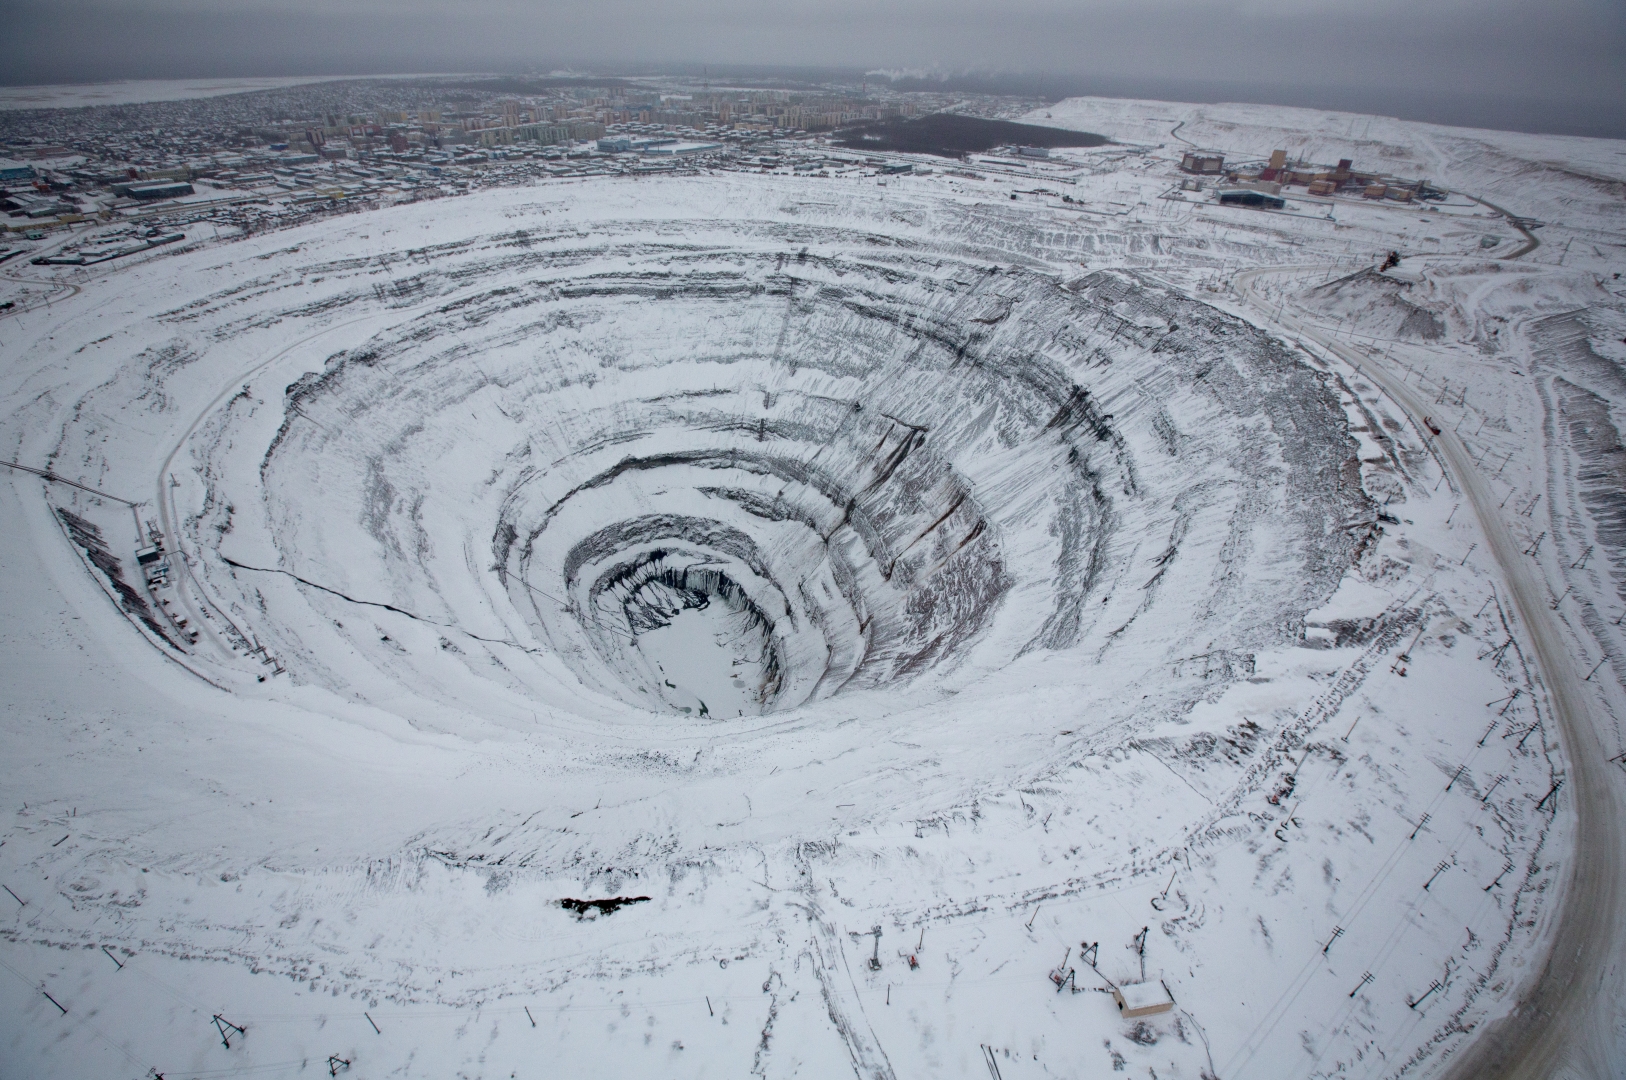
[(1143, 999)]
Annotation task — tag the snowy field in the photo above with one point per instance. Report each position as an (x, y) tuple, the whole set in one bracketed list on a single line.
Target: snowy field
[(926, 604), (140, 91)]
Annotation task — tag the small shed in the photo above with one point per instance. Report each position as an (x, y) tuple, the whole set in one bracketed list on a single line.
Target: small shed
[(1143, 999)]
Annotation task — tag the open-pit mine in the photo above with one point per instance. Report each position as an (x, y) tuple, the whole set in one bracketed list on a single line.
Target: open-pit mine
[(1019, 617)]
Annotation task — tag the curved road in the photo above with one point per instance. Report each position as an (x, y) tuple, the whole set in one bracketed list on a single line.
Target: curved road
[(64, 289), (167, 513), (44, 301), (1565, 1022), (1531, 242)]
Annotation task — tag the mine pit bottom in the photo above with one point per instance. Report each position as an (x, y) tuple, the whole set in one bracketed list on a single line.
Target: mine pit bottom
[(709, 661)]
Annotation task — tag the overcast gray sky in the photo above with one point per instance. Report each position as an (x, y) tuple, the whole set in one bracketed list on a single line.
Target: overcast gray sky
[(1553, 56)]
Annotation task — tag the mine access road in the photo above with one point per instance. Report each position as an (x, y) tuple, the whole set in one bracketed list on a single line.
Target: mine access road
[(1566, 1022)]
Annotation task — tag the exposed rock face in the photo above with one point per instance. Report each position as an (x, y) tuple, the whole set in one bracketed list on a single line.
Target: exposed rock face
[(726, 482)]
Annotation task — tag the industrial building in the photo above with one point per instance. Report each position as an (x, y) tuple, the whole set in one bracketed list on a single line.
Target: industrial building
[(1249, 197), (654, 145), (15, 170), (678, 149), (172, 190), (628, 144), (1202, 164), (1328, 180)]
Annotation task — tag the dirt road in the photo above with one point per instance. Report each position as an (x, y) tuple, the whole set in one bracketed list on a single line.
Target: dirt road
[(1531, 242)]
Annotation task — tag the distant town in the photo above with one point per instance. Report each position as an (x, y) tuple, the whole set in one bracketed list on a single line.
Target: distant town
[(259, 159), (247, 162)]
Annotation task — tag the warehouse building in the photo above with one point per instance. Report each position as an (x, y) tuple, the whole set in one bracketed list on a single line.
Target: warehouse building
[(1202, 164), (1248, 197), (150, 192)]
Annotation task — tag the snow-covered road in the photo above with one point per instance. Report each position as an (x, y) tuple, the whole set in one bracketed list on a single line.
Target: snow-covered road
[(1568, 1019)]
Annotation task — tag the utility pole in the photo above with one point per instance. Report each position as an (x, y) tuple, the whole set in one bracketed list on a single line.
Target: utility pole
[(1432, 987), (227, 1029)]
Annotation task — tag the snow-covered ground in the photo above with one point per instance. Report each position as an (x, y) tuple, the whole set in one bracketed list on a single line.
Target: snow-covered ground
[(141, 91), (910, 595)]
